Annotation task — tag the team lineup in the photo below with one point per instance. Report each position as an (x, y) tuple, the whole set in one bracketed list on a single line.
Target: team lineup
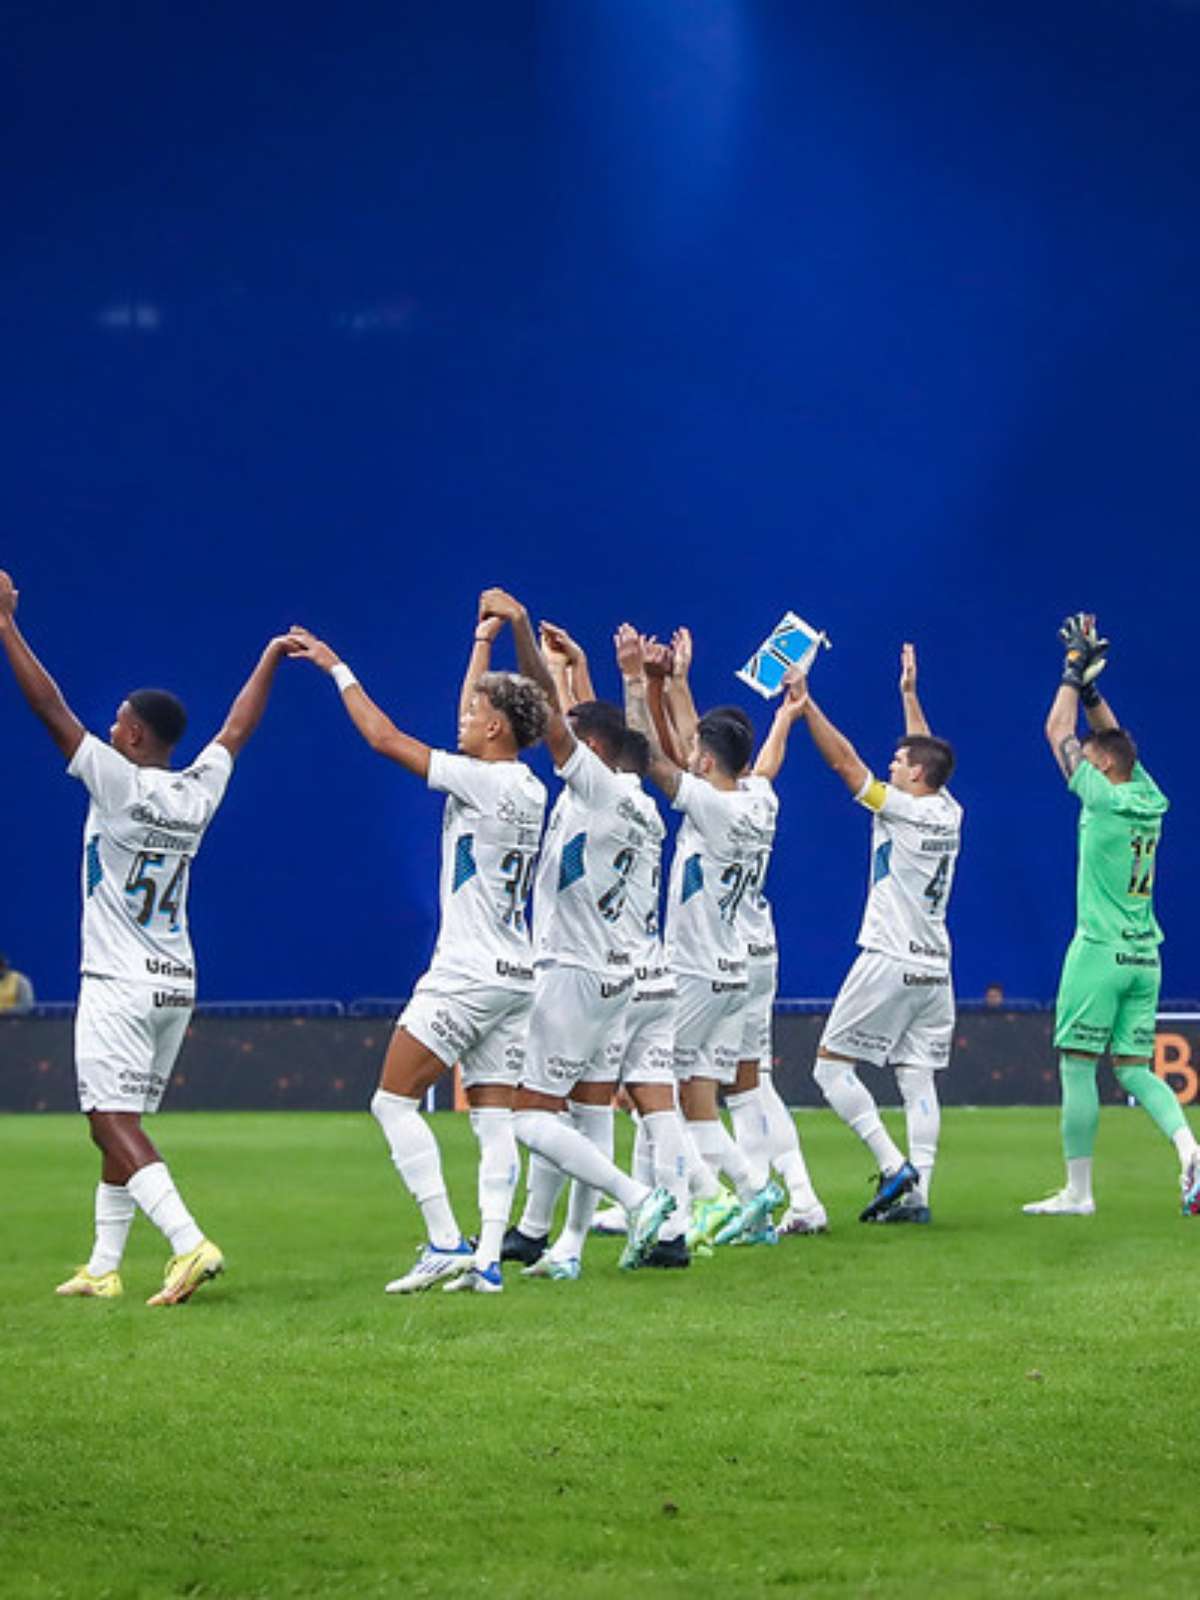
[(549, 1018)]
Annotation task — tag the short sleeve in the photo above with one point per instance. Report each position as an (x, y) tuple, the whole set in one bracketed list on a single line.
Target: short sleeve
[(587, 777), (887, 801), (104, 772), (210, 772), (698, 800), (476, 783)]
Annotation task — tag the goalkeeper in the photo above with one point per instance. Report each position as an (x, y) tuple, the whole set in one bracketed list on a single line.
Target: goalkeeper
[(1108, 993)]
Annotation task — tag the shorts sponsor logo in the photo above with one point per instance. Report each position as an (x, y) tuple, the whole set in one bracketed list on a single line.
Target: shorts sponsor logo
[(165, 998), (736, 967), (510, 969), (1124, 960), (926, 980), (610, 991), (759, 952), (931, 952), (445, 1025), (729, 988), (160, 967), (562, 1068), (875, 1043)]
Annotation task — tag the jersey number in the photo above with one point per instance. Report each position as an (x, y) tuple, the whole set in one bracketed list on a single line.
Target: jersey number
[(935, 890), (612, 902), (737, 878), (142, 879), (519, 866), (1141, 876)]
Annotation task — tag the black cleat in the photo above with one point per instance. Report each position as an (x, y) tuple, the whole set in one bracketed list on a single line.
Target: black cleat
[(891, 1186), (905, 1210), (519, 1246), (668, 1253)]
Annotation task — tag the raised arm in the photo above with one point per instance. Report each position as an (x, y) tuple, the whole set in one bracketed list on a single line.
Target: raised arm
[(380, 732), (1086, 655), (42, 694), (559, 644), (560, 741), (681, 708), (666, 773), (246, 712), (790, 710), (914, 717), (658, 663), (1062, 725), (833, 747), (487, 631)]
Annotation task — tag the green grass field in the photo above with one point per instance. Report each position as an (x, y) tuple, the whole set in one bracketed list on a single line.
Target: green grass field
[(996, 1405)]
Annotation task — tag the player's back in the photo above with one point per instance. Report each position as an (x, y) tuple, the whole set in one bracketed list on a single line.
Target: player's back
[(717, 854), (915, 842), (1120, 825)]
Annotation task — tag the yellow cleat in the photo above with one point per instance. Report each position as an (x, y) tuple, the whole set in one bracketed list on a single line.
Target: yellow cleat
[(185, 1274), (104, 1286)]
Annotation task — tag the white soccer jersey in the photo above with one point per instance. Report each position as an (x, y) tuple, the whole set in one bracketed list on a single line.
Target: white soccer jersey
[(596, 897), (144, 826), (758, 923), (490, 832), (717, 854), (914, 848)]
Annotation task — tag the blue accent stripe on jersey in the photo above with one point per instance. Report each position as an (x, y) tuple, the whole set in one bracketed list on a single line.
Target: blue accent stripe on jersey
[(464, 861), (693, 877), (570, 868), (881, 864), (95, 872)]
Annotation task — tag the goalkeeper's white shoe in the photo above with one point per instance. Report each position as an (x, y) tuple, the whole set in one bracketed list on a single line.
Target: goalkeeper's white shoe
[(1190, 1183), (1062, 1204)]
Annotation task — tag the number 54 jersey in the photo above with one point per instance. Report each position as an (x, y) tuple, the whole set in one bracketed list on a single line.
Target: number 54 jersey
[(143, 828), (914, 847)]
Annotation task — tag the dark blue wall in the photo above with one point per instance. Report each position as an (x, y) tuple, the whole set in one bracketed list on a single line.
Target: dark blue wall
[(676, 312)]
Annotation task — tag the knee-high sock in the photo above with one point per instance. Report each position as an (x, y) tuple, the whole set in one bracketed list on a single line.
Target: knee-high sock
[(665, 1136), (416, 1158), (115, 1211), (155, 1193), (854, 1103), (544, 1183), (1079, 1120), (497, 1177), (752, 1132), (923, 1115), (703, 1182), (552, 1135), (784, 1147), (1159, 1099), (722, 1155), (595, 1123), (643, 1156)]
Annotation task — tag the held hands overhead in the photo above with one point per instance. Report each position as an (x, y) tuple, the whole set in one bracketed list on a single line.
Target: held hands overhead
[(1086, 655)]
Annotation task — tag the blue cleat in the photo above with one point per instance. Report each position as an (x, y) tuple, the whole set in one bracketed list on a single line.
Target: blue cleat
[(891, 1186)]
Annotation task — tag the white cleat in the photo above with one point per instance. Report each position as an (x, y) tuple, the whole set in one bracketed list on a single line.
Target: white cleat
[(560, 1268), (1062, 1204), (476, 1280), (1190, 1184), (432, 1266), (812, 1219)]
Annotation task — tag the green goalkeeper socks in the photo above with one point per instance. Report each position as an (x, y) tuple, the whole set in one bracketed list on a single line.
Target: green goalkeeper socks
[(1154, 1096), (1080, 1106)]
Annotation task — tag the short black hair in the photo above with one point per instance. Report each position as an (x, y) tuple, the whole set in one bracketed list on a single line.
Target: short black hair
[(728, 736), (934, 756), (600, 720), (521, 701), (162, 712), (635, 753), (1120, 744)]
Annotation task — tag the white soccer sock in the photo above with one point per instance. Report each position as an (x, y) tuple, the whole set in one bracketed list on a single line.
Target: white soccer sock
[(784, 1147), (543, 1185), (497, 1177), (923, 1115), (154, 1191), (703, 1182), (722, 1155), (115, 1211), (1079, 1178), (752, 1132), (554, 1137), (643, 1155), (850, 1098), (596, 1125), (416, 1158), (665, 1135)]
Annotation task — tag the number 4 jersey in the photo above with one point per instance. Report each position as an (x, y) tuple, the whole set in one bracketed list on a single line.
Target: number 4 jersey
[(914, 848), (144, 826)]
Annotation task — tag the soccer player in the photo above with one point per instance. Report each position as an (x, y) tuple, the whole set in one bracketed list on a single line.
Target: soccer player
[(724, 830), (1108, 993), (144, 826), (472, 1005), (601, 834), (896, 1006)]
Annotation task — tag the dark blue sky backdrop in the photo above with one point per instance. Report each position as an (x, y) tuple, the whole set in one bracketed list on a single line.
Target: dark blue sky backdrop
[(675, 312)]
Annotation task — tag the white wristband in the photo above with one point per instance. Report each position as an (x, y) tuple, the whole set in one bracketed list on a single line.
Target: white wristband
[(342, 676)]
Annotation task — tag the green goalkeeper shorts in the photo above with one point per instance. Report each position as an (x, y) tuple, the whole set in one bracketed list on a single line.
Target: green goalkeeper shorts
[(1107, 1000)]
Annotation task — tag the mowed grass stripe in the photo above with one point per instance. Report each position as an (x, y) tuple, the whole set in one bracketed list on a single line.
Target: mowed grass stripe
[(996, 1405)]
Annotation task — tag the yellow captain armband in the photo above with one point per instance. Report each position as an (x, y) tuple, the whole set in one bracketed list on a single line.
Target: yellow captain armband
[(873, 793)]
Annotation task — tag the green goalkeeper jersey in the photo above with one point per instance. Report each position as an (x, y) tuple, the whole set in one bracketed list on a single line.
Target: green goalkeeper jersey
[(1119, 829)]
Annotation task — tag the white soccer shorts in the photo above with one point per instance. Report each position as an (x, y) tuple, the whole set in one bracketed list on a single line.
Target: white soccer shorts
[(762, 981), (479, 1026), (708, 1028), (578, 1018), (127, 1036), (646, 1054), (889, 1012)]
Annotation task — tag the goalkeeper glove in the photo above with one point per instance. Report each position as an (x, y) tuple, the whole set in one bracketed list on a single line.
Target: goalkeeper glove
[(1086, 655)]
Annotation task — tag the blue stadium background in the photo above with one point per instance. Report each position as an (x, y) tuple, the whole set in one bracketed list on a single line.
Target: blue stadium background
[(676, 312)]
